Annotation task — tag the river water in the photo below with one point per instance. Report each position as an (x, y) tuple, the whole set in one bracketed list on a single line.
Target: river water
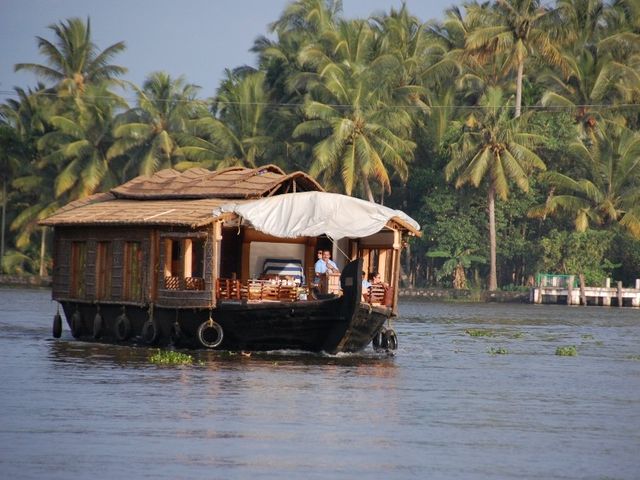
[(445, 406)]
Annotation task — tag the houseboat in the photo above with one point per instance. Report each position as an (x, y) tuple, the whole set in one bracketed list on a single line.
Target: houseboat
[(225, 260)]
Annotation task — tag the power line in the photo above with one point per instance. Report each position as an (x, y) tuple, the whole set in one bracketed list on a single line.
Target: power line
[(281, 105)]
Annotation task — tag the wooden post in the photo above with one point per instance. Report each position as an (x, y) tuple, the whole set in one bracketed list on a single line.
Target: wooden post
[(619, 293), (583, 295), (570, 289)]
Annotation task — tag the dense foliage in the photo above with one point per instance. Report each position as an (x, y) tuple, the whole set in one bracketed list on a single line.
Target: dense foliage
[(509, 130)]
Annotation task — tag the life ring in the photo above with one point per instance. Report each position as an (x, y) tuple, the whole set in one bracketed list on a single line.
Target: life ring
[(57, 326), (391, 339), (76, 324), (210, 334), (98, 326), (122, 327), (150, 332)]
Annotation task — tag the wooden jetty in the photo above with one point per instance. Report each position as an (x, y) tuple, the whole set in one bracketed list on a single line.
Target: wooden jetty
[(571, 289)]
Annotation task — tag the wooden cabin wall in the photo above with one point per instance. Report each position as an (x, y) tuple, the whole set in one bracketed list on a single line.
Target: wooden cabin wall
[(62, 271)]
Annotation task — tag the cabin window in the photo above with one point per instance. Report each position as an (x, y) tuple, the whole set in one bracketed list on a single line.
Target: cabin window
[(184, 264), (377, 260), (104, 256), (78, 262), (132, 285)]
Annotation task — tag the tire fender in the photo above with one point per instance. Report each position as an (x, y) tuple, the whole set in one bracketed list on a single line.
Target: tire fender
[(57, 326), (210, 334), (98, 326), (122, 328), (150, 332), (76, 324)]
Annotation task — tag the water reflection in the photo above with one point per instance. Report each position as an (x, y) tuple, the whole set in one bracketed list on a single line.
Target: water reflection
[(443, 407)]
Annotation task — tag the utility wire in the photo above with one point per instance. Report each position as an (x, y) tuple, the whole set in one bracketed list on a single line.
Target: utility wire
[(281, 105)]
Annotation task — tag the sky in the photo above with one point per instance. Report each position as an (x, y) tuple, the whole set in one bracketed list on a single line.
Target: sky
[(197, 39)]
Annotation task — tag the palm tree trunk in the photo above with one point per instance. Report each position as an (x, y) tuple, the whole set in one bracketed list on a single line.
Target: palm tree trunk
[(43, 238), (367, 190), (519, 88), (491, 199), (4, 216)]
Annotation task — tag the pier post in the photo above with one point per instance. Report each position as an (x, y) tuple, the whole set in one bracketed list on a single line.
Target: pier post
[(607, 283), (635, 300), (619, 292), (570, 289), (583, 295)]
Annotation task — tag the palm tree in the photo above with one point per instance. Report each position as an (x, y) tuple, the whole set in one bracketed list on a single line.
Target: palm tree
[(28, 119), (73, 59), (361, 133), (148, 134), (601, 67), (456, 264), (237, 133), (78, 145), (513, 28), (492, 149), (609, 191)]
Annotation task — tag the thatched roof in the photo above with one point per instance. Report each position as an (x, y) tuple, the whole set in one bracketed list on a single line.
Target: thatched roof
[(170, 197), (235, 182), (109, 210)]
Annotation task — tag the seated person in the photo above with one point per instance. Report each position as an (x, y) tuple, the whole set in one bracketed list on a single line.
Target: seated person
[(366, 284), (325, 264), (379, 290), (375, 278)]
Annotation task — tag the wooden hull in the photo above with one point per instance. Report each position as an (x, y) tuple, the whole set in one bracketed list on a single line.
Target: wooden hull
[(336, 324), (311, 326)]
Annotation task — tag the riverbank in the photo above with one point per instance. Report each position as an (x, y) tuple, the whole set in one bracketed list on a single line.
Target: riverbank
[(450, 294), (436, 294), (25, 281)]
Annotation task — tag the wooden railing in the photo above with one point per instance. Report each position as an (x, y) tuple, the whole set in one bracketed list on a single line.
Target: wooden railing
[(187, 283), (266, 290)]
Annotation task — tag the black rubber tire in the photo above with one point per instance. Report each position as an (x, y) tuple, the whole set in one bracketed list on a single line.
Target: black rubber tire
[(210, 334), (98, 326), (76, 324), (150, 332), (57, 326), (391, 339), (122, 328), (378, 339)]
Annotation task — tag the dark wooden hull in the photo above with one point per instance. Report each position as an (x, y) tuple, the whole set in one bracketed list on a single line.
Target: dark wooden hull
[(337, 324), (311, 325)]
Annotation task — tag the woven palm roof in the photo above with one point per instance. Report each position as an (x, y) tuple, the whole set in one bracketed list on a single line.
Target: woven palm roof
[(170, 197), (235, 182)]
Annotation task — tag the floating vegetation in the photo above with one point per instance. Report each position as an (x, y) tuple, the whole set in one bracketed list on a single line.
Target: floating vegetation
[(587, 336), (170, 357), (479, 332), (634, 357), (485, 332), (498, 351), (567, 351)]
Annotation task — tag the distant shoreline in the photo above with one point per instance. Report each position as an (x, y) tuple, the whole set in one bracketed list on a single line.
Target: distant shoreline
[(29, 281), (427, 294)]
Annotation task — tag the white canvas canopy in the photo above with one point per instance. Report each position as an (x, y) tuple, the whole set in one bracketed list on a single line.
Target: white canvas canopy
[(315, 213)]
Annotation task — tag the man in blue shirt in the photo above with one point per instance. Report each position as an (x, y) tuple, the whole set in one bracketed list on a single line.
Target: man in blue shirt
[(325, 264)]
